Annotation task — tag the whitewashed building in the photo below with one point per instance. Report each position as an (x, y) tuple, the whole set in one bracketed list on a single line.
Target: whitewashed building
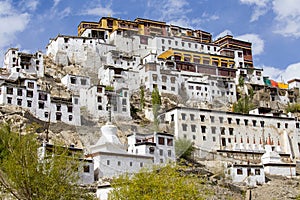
[(294, 83), (111, 157), (16, 61), (25, 92), (86, 166), (159, 145), (211, 131), (250, 174)]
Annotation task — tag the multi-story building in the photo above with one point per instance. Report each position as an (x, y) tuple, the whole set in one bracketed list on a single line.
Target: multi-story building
[(112, 158), (26, 93), (212, 130), (16, 61)]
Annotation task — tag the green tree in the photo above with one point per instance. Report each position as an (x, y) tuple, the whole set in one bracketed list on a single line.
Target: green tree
[(156, 103), (166, 183), (142, 97), (293, 107), (243, 105), (23, 175), (184, 148)]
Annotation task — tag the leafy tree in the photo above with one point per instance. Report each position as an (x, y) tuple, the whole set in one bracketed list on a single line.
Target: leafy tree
[(294, 107), (241, 81), (183, 148), (23, 175), (156, 103), (164, 183), (243, 105), (142, 97)]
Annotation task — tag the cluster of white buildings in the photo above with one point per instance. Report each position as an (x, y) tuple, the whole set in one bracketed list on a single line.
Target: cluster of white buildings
[(117, 57)]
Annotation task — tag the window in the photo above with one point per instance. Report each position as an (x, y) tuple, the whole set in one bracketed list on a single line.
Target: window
[(286, 125), (73, 80), (173, 79), (237, 121), (183, 116), (130, 164), (141, 164), (99, 99), (163, 87), (193, 128), (169, 153), (254, 122), (222, 130), (9, 100), (184, 127), (99, 89), (58, 107), (192, 116), (43, 96), (107, 162), (176, 43), (29, 94), (246, 122), (99, 107), (9, 90), (151, 150), (213, 130), (204, 138), (262, 123), (86, 169), (76, 101), (212, 118), (30, 85), (83, 81), (70, 109), (29, 104), (230, 131), (161, 140), (58, 116), (297, 125), (19, 102), (221, 119), (19, 92), (203, 129), (202, 118), (154, 77), (239, 171), (170, 142), (41, 105), (161, 152), (70, 117), (278, 125), (257, 171), (229, 120), (46, 114), (119, 163), (194, 137)]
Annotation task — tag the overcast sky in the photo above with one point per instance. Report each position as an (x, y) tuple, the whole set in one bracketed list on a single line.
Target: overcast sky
[(273, 26)]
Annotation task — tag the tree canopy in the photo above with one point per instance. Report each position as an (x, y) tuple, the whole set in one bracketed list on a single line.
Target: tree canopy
[(163, 183), (183, 148), (156, 103), (23, 175)]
